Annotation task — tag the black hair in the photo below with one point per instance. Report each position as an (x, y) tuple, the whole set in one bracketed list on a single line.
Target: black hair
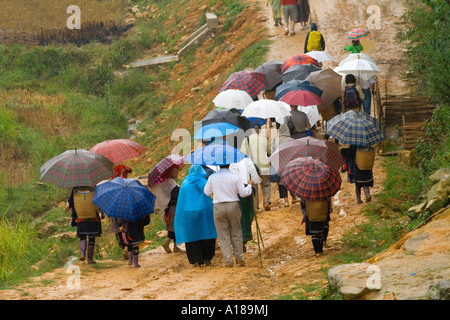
[(350, 78)]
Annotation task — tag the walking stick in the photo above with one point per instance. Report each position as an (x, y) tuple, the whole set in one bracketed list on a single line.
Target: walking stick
[(258, 236)]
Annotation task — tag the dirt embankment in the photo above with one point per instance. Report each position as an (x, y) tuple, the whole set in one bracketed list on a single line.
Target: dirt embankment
[(287, 257)]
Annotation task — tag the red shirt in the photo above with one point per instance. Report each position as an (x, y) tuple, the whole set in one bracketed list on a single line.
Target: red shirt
[(288, 2)]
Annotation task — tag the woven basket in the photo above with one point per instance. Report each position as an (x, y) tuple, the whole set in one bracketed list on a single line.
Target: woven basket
[(365, 158), (84, 207), (317, 210)]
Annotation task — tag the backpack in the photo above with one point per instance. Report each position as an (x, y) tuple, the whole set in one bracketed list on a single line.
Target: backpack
[(314, 41), (351, 97)]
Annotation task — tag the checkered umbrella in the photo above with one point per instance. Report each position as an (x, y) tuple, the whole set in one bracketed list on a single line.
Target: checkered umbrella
[(298, 59), (124, 198), (299, 71), (75, 168), (311, 179), (272, 73), (119, 150), (251, 82), (160, 171), (357, 128), (322, 150)]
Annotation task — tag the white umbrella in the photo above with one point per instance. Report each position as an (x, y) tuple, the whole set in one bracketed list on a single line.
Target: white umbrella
[(266, 108), (354, 56), (361, 68), (320, 56), (232, 98), (312, 112)]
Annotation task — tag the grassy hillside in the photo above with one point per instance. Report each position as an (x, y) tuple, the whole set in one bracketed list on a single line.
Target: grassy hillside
[(56, 98)]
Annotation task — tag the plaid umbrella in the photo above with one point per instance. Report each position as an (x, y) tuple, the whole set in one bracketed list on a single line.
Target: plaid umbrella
[(272, 73), (251, 82), (322, 150), (160, 171), (357, 128), (124, 198), (301, 98), (357, 34), (311, 179), (119, 150), (76, 168), (299, 71), (298, 59)]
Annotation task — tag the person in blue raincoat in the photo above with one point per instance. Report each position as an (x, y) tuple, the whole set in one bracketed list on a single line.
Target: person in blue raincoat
[(194, 218)]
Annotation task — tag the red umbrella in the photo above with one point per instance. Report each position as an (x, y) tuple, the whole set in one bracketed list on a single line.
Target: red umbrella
[(251, 82), (311, 180), (298, 59), (119, 150), (322, 150), (301, 98), (160, 171)]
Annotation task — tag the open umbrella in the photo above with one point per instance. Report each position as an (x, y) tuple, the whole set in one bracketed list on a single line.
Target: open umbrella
[(119, 150), (124, 199), (232, 98), (266, 108), (357, 128), (354, 56), (296, 85), (311, 112), (301, 98), (320, 56), (357, 34), (323, 150), (231, 116), (363, 70), (297, 59), (215, 155), (76, 168), (213, 130), (251, 82), (330, 83), (311, 179), (272, 73), (299, 71), (159, 173)]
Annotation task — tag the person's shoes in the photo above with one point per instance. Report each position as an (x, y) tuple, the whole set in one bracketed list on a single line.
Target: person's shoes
[(240, 263), (130, 258), (135, 261), (286, 32), (279, 21), (176, 249), (369, 198), (325, 245), (359, 201), (228, 265), (276, 23), (197, 265), (267, 207), (291, 33), (207, 263)]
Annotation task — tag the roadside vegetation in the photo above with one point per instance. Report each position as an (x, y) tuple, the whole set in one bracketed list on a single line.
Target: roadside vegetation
[(55, 98)]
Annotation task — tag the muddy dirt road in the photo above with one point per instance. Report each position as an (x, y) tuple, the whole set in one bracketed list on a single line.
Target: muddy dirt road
[(288, 257)]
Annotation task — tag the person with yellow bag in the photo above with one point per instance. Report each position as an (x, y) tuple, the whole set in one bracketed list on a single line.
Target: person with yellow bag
[(314, 40)]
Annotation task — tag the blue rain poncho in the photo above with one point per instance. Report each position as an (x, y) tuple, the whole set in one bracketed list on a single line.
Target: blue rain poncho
[(194, 218)]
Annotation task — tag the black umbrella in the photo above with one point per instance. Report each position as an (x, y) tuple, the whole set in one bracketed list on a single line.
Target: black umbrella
[(231, 116), (272, 73)]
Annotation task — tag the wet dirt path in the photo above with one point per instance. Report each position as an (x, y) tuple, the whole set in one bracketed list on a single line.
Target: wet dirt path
[(288, 257)]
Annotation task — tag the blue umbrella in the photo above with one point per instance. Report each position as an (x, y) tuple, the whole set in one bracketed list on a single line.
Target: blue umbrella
[(216, 154), (294, 85), (218, 129), (124, 198), (357, 128)]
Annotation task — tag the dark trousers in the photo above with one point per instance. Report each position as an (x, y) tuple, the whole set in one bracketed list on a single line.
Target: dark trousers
[(200, 251)]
